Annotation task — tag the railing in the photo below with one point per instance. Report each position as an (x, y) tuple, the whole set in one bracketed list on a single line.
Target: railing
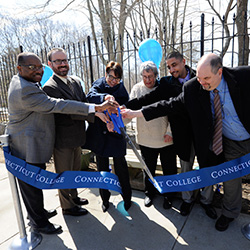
[(88, 58)]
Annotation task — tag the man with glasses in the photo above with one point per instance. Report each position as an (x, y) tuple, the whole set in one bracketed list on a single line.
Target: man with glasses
[(218, 105), (171, 86), (70, 129), (31, 129)]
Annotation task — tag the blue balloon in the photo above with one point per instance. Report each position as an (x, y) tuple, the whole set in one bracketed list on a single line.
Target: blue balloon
[(47, 73), (150, 50)]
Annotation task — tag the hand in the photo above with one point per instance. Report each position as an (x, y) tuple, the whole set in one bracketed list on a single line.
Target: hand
[(111, 106), (103, 117), (168, 138), (128, 113), (110, 126), (122, 107), (109, 98)]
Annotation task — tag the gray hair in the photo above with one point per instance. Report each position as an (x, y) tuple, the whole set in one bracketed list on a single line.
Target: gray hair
[(147, 66)]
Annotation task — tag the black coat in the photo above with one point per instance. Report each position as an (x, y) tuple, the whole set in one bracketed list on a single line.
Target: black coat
[(70, 129), (195, 101), (180, 125), (99, 139)]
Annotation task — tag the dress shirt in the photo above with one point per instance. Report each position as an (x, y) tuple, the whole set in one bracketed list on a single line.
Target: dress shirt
[(183, 80), (232, 127), (91, 106)]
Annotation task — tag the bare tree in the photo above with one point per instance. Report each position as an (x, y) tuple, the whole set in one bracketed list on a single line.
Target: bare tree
[(241, 23), (243, 39)]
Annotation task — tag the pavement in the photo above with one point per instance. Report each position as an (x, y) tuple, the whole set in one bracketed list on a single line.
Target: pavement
[(143, 229)]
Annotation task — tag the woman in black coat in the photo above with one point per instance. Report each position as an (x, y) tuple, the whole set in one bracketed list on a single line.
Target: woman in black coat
[(107, 144)]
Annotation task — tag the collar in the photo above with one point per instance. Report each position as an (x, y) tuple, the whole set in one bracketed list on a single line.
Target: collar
[(183, 80), (62, 78), (221, 86)]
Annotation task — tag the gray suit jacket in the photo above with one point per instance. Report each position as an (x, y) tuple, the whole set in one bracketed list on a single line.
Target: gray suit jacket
[(31, 119)]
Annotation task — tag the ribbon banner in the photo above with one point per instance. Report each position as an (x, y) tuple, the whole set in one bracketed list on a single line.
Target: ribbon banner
[(43, 179), (205, 177), (188, 181)]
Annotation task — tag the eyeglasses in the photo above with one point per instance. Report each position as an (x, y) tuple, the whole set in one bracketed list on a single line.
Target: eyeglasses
[(59, 61), (148, 77), (111, 78), (33, 67)]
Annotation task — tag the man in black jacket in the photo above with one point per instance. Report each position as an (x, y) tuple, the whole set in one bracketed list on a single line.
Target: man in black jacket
[(198, 101), (70, 129), (171, 86)]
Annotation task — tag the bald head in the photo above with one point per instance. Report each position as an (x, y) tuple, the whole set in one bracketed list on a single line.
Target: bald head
[(22, 57), (30, 67), (209, 71)]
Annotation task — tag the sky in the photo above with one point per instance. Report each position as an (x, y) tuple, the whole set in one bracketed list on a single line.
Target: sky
[(17, 8)]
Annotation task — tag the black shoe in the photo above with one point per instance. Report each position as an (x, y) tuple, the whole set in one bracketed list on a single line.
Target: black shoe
[(50, 213), (167, 204), (210, 211), (127, 205), (80, 201), (75, 211), (105, 206), (223, 222), (186, 208), (148, 201), (48, 229)]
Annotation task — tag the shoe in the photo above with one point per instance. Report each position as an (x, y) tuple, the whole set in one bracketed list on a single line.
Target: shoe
[(210, 211), (167, 204), (148, 201), (75, 211), (80, 201), (127, 205), (50, 213), (105, 206), (186, 208), (48, 229), (223, 222)]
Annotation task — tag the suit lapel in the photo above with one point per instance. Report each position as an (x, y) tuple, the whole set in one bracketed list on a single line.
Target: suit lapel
[(234, 91), (204, 97), (68, 93)]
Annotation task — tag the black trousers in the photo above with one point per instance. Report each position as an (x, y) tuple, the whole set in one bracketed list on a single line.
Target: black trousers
[(33, 201), (168, 164), (121, 170)]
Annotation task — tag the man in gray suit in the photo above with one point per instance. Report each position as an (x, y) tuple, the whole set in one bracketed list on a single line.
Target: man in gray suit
[(70, 129), (32, 129)]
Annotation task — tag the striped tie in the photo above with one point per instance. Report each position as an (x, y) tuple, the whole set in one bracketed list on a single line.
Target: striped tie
[(217, 138), (69, 83)]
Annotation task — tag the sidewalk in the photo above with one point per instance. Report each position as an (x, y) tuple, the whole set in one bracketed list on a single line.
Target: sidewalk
[(146, 228)]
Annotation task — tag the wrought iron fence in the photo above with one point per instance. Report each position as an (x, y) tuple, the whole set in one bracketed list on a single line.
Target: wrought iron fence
[(88, 58)]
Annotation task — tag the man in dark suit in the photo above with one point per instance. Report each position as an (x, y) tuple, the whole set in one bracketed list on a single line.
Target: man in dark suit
[(197, 100), (31, 129), (70, 129), (171, 86)]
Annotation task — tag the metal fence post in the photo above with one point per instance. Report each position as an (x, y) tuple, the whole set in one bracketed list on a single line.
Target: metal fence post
[(202, 35), (90, 61), (24, 241)]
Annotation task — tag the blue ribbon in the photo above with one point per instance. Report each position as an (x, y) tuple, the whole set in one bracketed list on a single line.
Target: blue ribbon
[(80, 179), (205, 177), (43, 179)]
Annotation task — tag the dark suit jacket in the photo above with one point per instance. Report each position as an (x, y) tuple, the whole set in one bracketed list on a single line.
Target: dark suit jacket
[(70, 129), (31, 119), (99, 139), (180, 125), (195, 101)]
